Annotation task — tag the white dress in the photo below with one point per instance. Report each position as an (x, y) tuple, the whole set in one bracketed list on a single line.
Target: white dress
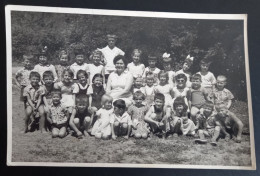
[(102, 125), (166, 91)]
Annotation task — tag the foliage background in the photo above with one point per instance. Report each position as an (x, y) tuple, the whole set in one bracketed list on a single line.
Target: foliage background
[(222, 41)]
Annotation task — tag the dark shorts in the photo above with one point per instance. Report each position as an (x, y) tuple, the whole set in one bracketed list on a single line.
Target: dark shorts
[(59, 126)]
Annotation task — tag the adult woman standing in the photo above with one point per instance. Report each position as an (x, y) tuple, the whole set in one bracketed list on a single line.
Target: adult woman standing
[(120, 81)]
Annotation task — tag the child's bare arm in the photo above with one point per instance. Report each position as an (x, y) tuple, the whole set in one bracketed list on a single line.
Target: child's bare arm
[(148, 118), (71, 122), (229, 104), (17, 81), (39, 101), (239, 124), (49, 118), (30, 101)]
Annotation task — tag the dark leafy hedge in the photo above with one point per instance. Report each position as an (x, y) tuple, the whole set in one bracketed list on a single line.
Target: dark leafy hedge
[(219, 40)]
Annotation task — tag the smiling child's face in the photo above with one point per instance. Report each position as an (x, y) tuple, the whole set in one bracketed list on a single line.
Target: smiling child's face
[(118, 111), (136, 58), (138, 83), (82, 78), (179, 108), (150, 81), (56, 99), (159, 103), (34, 81), (204, 67), (185, 66), (151, 63), (81, 106), (138, 100), (111, 42), (64, 59), (196, 83), (163, 79), (207, 110), (66, 77), (79, 59), (48, 80), (96, 59), (108, 105), (27, 64), (167, 66), (43, 60), (221, 84), (181, 83), (98, 82)]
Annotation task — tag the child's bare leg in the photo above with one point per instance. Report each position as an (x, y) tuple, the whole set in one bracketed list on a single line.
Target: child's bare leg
[(42, 126), (202, 139), (193, 113), (105, 136), (55, 132), (237, 130), (138, 135), (124, 129), (86, 124), (216, 134), (62, 132), (116, 127), (144, 135), (28, 113), (177, 127)]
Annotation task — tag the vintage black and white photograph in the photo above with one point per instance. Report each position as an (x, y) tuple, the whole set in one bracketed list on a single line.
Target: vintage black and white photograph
[(110, 88)]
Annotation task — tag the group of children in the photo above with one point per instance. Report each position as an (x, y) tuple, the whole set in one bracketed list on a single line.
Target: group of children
[(72, 98)]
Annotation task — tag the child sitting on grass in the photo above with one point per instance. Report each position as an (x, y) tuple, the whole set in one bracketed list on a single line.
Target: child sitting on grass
[(120, 120), (155, 115), (179, 122), (22, 76), (80, 119), (229, 122), (57, 116), (198, 96), (33, 95), (221, 94), (206, 124), (101, 128), (137, 111)]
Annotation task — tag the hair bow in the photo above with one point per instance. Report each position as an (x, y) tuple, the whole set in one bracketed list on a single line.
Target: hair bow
[(190, 58), (166, 55)]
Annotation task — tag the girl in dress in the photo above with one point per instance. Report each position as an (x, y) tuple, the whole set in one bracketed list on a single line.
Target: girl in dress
[(152, 60), (96, 66), (136, 67), (44, 64), (167, 65), (164, 87), (149, 89), (102, 128), (186, 69), (63, 64), (137, 112), (98, 91), (67, 86)]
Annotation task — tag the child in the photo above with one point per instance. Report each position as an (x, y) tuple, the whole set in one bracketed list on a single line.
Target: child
[(120, 120), (208, 79), (138, 85), (167, 65), (80, 119), (67, 86), (98, 91), (149, 88), (198, 96), (186, 69), (179, 122), (164, 87), (96, 67), (221, 94), (63, 58), (110, 52), (229, 122), (101, 128), (22, 76), (181, 90), (155, 115), (33, 94), (48, 87), (79, 63), (136, 67), (152, 68), (206, 124), (44, 64), (137, 112), (57, 116)]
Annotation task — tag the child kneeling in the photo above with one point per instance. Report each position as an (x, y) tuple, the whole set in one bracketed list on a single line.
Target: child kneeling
[(81, 118), (101, 128), (57, 116), (120, 120)]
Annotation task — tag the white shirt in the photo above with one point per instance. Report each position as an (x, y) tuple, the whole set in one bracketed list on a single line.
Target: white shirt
[(136, 70), (41, 69), (93, 69), (109, 55), (75, 68), (208, 80)]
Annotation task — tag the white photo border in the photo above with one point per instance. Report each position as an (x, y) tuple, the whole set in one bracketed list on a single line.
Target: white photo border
[(10, 8)]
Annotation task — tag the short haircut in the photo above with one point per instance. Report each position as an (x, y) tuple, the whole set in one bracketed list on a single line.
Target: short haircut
[(196, 77), (27, 57), (138, 94), (98, 75), (96, 52), (222, 78), (82, 98), (181, 75), (180, 101), (120, 104), (209, 104), (68, 71), (47, 74), (136, 51), (154, 58), (106, 98), (159, 96), (188, 62), (120, 57), (63, 53), (163, 73), (205, 61), (56, 91), (149, 75), (34, 74), (139, 77), (82, 72)]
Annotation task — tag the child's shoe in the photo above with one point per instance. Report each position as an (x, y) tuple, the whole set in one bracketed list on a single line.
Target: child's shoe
[(213, 143), (200, 141)]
